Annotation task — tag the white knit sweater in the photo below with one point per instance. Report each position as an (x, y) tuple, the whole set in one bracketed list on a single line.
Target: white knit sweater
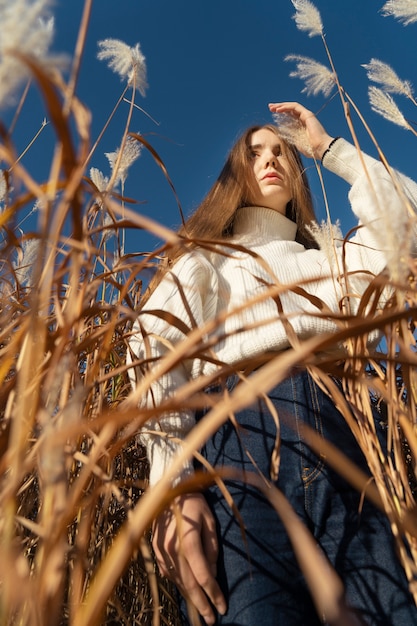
[(205, 284)]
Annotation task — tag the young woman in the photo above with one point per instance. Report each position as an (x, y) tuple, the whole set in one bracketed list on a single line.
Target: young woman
[(260, 208)]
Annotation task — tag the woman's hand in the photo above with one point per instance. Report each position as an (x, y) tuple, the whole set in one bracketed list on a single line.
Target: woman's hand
[(186, 550), (318, 138)]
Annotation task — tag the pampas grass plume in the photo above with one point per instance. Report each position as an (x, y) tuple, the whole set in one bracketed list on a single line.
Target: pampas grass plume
[(126, 61), (318, 78), (131, 152), (403, 10), (308, 18), (383, 74), (385, 105), (99, 179), (24, 264), (329, 237), (25, 27), (293, 132)]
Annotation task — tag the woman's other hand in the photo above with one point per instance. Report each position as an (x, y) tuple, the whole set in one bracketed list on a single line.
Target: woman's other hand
[(186, 550), (318, 137)]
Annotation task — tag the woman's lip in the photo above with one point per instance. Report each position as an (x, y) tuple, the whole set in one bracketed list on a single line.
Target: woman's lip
[(271, 175)]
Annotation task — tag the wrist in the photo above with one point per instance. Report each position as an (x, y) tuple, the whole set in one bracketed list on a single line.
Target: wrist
[(328, 148), (320, 148)]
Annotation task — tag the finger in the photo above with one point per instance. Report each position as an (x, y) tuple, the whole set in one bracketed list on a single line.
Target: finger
[(291, 108), (197, 583), (191, 588), (166, 569), (212, 590), (203, 564), (159, 558), (160, 545), (210, 543), (288, 105)]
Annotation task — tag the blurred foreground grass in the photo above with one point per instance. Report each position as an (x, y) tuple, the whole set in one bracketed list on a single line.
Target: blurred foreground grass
[(74, 523)]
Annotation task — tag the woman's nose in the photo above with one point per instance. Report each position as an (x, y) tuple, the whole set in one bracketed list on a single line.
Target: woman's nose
[(271, 159)]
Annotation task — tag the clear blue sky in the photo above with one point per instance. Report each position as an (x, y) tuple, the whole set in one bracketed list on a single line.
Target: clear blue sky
[(213, 66)]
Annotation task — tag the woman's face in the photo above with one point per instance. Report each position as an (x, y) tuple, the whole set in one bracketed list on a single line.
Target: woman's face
[(271, 171)]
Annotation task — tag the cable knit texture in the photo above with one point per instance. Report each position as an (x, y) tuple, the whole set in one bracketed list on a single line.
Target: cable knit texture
[(205, 284)]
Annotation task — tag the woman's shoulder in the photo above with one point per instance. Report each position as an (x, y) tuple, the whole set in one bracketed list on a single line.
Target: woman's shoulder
[(195, 260)]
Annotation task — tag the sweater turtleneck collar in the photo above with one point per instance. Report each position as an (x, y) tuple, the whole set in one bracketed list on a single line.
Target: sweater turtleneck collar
[(265, 223)]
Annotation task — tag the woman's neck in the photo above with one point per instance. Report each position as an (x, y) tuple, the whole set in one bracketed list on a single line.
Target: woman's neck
[(263, 222)]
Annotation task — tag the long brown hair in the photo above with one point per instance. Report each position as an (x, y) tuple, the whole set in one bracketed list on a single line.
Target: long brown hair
[(213, 219)]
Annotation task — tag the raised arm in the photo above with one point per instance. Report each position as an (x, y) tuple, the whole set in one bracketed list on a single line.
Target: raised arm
[(383, 200)]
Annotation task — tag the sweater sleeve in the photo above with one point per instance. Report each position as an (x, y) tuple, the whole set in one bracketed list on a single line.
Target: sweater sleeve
[(183, 300), (384, 203)]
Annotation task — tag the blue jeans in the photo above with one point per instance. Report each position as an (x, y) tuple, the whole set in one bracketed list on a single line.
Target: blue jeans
[(259, 574)]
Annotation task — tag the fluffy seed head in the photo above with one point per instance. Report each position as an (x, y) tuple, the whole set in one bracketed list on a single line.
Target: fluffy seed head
[(131, 151), (317, 77), (403, 10), (26, 26), (25, 262), (307, 17), (329, 237), (99, 179), (383, 74), (126, 61), (384, 104), (293, 132)]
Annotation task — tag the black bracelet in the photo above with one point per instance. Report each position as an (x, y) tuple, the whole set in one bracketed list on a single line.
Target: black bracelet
[(328, 149)]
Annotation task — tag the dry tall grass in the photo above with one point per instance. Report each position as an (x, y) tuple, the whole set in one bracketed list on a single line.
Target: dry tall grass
[(74, 511)]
